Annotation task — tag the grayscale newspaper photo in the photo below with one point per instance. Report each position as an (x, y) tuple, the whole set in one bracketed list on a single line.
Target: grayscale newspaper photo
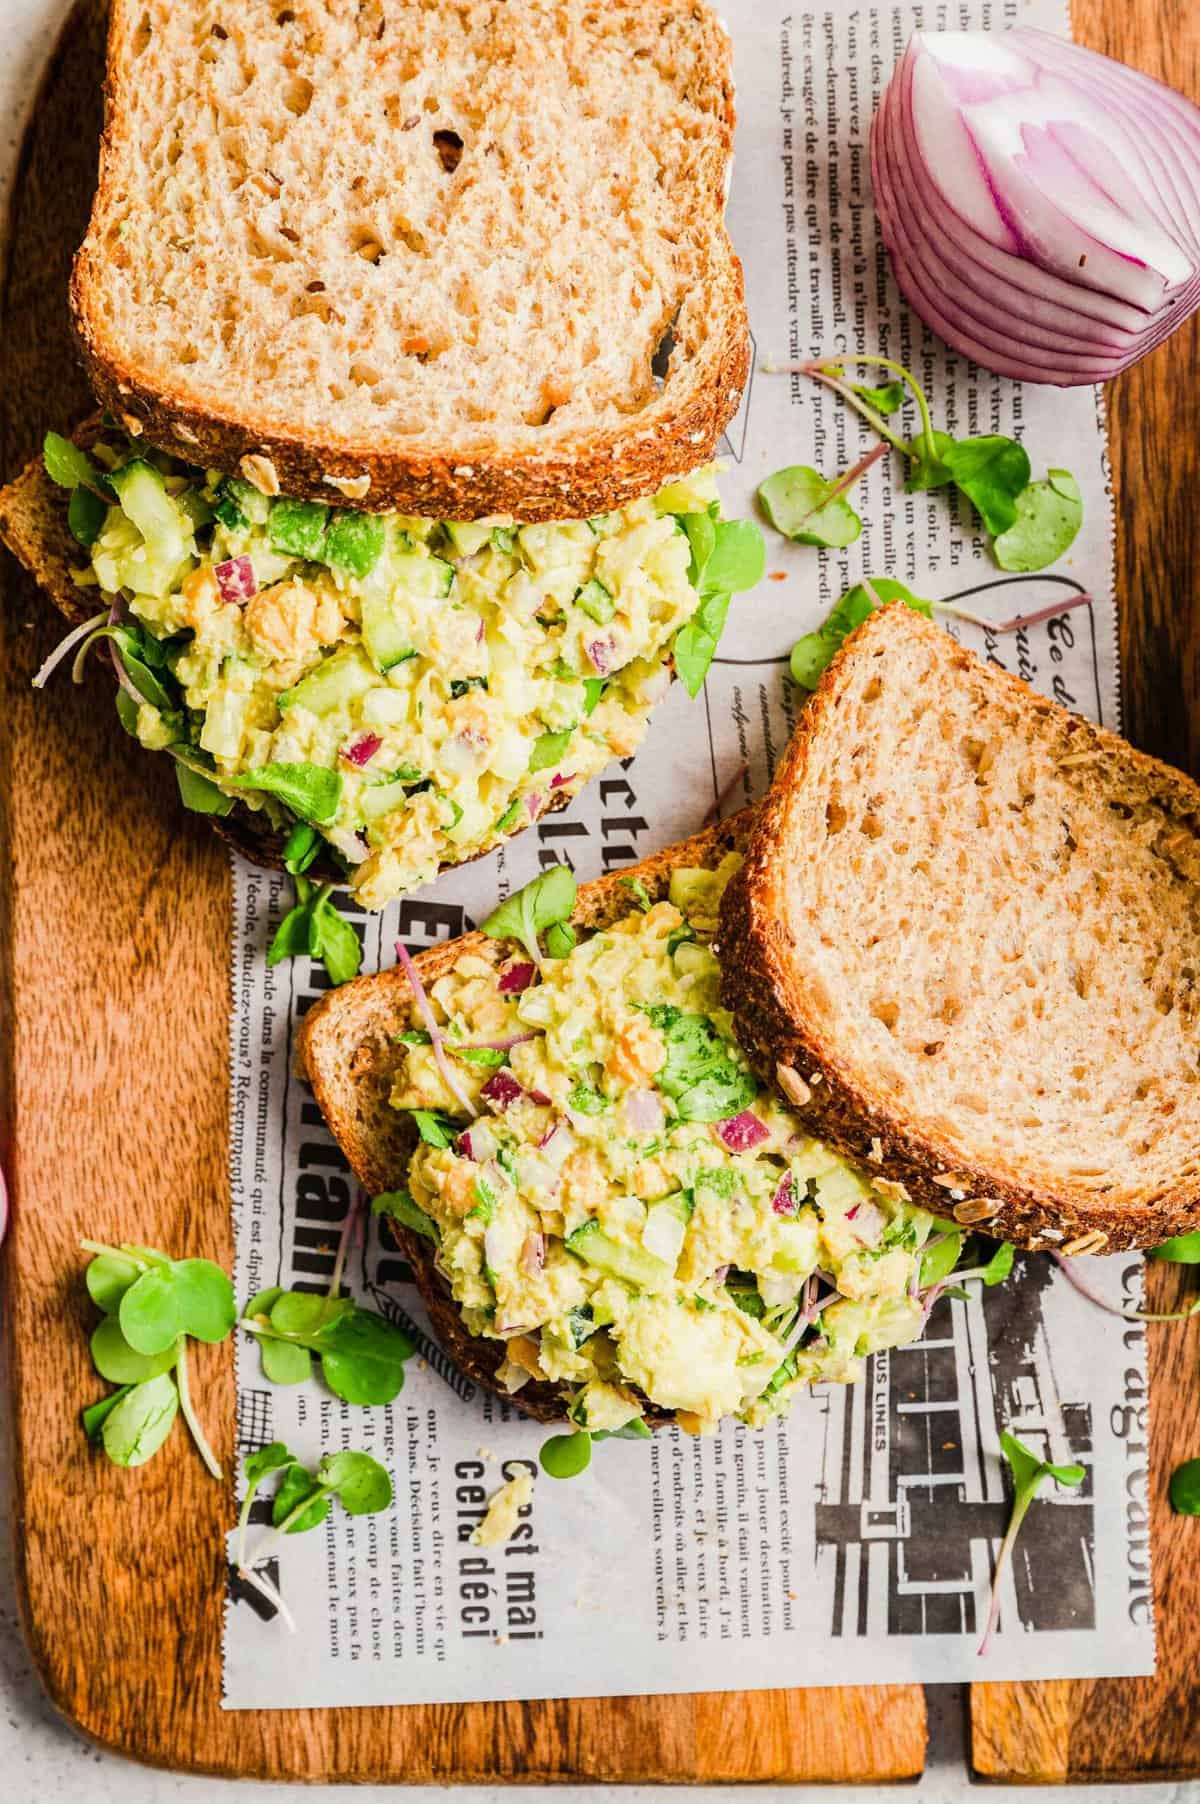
[(853, 1542)]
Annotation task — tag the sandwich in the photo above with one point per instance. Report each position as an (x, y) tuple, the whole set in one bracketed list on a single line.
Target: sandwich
[(400, 514), (675, 1145)]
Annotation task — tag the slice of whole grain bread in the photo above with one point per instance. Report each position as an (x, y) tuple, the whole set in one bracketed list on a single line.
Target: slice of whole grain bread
[(432, 251), (347, 1047), (966, 939)]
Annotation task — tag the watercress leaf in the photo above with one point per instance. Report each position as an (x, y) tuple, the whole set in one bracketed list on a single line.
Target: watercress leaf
[(297, 1485), (95, 1415), (696, 643), (262, 1303), (566, 1455), (292, 934), (922, 474), (115, 1359), (1182, 1249), (206, 1299), (140, 1422), (86, 514), (267, 1459), (737, 560), (796, 502), (549, 898), (400, 1206), (309, 790), (638, 891), (999, 1266), (200, 793), (151, 1312), (1025, 1466), (432, 1127), (283, 1362), (484, 1058), (362, 1358), (302, 1316), (108, 1277), (1184, 1489), (338, 946), (127, 712), (886, 400), (1048, 516), (701, 533), (68, 466), (701, 1075), (139, 672), (548, 748), (940, 1260), (812, 655), (724, 1091), (990, 471), (560, 939), (1065, 1475), (300, 848), (593, 689), (360, 1482)]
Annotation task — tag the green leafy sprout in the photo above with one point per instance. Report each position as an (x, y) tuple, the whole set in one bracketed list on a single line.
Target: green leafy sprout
[(1030, 523), (542, 905), (313, 927), (151, 1306), (302, 1501), (728, 556), (1028, 1474)]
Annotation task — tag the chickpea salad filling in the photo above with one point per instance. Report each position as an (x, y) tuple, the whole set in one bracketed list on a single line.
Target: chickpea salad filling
[(613, 1194), (402, 692)]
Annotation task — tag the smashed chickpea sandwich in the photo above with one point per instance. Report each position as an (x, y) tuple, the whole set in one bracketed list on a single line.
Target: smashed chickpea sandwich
[(629, 1210)]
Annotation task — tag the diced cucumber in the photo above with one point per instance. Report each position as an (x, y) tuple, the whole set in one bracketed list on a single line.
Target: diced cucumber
[(298, 527), (596, 601), (631, 1265), (239, 504), (335, 683), (468, 536), (383, 635), (428, 577), (165, 529), (383, 798), (355, 541)]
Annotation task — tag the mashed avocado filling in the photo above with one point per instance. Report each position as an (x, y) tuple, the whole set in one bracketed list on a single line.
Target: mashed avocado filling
[(637, 1218), (414, 689)]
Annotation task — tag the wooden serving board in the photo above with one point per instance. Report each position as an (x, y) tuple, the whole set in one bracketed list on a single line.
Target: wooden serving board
[(114, 942)]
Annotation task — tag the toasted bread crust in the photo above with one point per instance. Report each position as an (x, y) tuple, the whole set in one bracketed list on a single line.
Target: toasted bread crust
[(775, 1020), (567, 477), (347, 1049)]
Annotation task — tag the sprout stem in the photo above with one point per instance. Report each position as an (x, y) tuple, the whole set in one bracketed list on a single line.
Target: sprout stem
[(1065, 1266), (1020, 1505), (262, 1584), (65, 645), (189, 1414)]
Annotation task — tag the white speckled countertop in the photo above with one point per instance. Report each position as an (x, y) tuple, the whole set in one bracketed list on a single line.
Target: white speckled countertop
[(43, 1762)]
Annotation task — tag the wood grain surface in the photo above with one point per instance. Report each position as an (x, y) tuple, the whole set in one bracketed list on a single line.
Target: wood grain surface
[(114, 942), (1119, 1729)]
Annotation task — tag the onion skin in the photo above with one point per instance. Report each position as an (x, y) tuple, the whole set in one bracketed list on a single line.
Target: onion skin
[(1040, 203)]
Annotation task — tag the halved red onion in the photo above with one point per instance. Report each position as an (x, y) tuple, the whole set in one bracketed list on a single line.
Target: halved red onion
[(561, 777), (600, 655), (742, 1133), (236, 579), (360, 751), (869, 1223), (1040, 202), (517, 977)]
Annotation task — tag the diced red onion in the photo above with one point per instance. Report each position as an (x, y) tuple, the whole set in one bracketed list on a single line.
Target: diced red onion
[(478, 1142), (236, 579), (532, 804), (784, 1201), (502, 1090), (436, 1038), (515, 978), (643, 1111), (539, 1097), (533, 1254), (600, 655), (561, 777), (742, 1133), (491, 1045), (869, 1222), (1040, 202), (558, 1145), (360, 751)]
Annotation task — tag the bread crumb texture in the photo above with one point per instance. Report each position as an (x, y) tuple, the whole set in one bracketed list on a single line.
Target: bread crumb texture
[(990, 910), (424, 220)]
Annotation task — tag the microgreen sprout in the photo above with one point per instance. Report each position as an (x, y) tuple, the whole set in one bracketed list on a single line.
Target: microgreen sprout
[(1068, 1267), (316, 929), (302, 1501), (1030, 523), (151, 1306), (1028, 1474), (546, 902)]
